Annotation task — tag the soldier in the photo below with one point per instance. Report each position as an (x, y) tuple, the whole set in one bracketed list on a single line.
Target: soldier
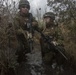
[(52, 31), (23, 29)]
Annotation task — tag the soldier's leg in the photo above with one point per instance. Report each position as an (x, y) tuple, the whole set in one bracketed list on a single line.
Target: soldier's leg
[(42, 47), (22, 48)]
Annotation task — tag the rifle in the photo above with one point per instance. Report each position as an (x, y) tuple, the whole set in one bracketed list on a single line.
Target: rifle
[(30, 32), (48, 40)]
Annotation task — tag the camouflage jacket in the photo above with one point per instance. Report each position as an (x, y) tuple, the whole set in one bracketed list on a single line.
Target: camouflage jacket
[(55, 32), (20, 23)]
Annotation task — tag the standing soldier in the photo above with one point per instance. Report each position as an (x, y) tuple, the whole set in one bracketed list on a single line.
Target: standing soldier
[(50, 30), (23, 23)]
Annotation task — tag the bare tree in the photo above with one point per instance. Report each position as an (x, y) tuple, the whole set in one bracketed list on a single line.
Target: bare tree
[(8, 43)]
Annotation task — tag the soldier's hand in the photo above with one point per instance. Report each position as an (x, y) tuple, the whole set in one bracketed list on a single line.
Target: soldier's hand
[(29, 35), (55, 43)]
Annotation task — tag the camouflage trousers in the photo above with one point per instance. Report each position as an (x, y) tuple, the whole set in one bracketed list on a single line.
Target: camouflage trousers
[(47, 52), (23, 48)]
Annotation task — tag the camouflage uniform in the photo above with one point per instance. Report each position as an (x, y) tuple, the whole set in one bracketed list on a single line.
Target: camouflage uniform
[(21, 29), (53, 32)]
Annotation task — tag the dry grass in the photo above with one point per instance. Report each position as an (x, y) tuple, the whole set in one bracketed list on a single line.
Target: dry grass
[(69, 41)]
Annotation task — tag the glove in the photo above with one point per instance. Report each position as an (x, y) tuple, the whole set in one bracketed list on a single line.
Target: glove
[(29, 35), (55, 43)]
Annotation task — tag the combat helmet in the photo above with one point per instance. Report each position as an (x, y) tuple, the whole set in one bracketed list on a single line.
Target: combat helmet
[(24, 3), (49, 14)]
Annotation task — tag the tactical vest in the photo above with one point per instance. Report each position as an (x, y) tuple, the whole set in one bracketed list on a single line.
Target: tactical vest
[(50, 32), (22, 21)]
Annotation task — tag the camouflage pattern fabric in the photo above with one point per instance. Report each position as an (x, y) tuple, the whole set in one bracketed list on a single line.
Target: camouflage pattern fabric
[(55, 33), (20, 24)]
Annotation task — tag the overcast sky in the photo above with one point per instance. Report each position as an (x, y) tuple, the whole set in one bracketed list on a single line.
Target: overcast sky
[(36, 4)]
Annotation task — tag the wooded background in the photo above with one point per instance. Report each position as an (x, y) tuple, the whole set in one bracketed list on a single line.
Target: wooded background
[(65, 12)]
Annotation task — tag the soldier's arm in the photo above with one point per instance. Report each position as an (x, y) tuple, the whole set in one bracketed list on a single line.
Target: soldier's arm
[(34, 23), (40, 25), (16, 25)]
